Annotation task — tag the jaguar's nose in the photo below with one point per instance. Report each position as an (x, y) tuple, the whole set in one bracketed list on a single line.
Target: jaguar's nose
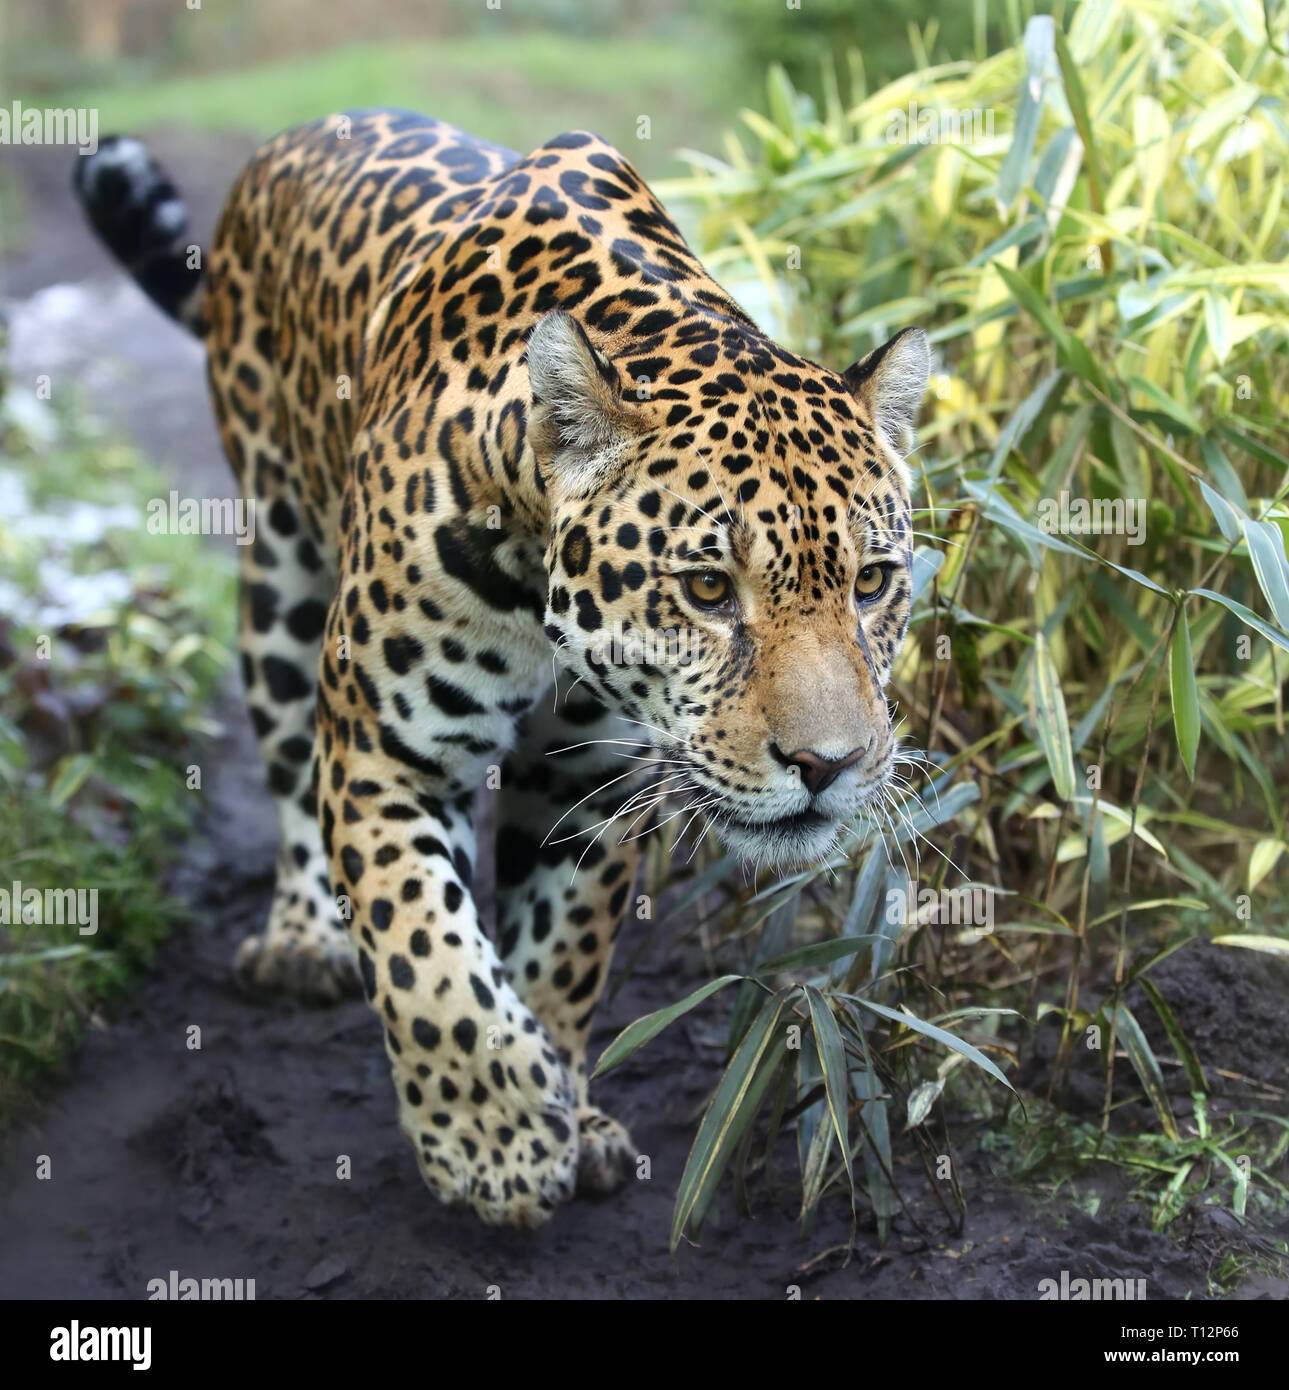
[(816, 772)]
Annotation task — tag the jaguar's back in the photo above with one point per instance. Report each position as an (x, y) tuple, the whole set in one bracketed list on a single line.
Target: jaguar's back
[(385, 259)]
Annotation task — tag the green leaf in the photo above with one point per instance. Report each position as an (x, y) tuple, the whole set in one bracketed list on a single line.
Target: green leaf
[(1263, 860), (874, 1123), (1251, 446), (1098, 862), (921, 1099), (1029, 299), (1227, 479), (820, 953), (1164, 402), (1181, 1043), (1267, 551), (997, 509), (926, 565), (940, 807), (1023, 418), (635, 1035), (11, 962), (1146, 1065), (939, 1035), (1246, 615), (1078, 103), (1127, 452), (1129, 573), (1047, 708), (1013, 175), (711, 876), (889, 929), (1240, 1197), (1218, 320), (1117, 601), (775, 933), (865, 899), (1020, 235), (70, 777), (1185, 693), (809, 1077), (1148, 905), (832, 1057), (966, 662), (1268, 945), (749, 1073), (815, 1149), (1228, 516), (783, 100), (874, 1118)]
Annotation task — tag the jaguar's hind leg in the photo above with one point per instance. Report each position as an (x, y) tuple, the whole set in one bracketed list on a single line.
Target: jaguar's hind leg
[(287, 581), (304, 949)]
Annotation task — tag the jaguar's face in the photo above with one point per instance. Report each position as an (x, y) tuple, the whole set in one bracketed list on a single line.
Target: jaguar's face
[(731, 570)]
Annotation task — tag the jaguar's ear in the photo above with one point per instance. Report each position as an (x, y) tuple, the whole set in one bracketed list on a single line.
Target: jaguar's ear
[(891, 382), (580, 428)]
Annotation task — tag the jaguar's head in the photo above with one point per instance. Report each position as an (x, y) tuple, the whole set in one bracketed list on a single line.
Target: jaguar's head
[(730, 564)]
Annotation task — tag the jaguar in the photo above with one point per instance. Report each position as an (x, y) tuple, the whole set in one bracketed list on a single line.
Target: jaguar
[(499, 426)]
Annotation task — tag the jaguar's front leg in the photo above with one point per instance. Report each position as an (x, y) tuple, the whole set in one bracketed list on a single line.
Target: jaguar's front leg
[(565, 876), (482, 1093)]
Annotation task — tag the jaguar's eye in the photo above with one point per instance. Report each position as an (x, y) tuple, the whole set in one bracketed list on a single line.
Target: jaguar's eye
[(871, 582), (708, 588)]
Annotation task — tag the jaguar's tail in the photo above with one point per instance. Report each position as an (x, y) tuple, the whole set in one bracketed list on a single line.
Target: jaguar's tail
[(133, 206)]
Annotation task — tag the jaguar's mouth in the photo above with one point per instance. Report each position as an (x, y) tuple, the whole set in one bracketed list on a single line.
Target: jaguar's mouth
[(791, 840), (805, 819), (802, 837)]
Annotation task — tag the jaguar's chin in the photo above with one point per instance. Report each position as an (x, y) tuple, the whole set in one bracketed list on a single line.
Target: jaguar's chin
[(787, 842)]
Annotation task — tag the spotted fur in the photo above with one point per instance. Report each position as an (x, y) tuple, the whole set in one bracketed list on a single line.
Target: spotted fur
[(494, 414)]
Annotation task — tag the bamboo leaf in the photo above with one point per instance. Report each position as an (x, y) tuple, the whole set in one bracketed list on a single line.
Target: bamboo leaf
[(1161, 400), (708, 880), (1229, 517), (1240, 1175), (1267, 551), (635, 1035), (1263, 860), (820, 953), (736, 1100), (1226, 478), (1267, 945), (939, 1035), (921, 1099), (832, 1058), (1247, 616), (1219, 324), (1078, 102), (1039, 42), (874, 1119), (1022, 419), (1181, 1043), (1184, 692), (70, 777), (1047, 709), (1146, 1065)]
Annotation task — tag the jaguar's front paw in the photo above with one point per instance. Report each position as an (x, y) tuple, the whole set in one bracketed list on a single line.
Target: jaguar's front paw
[(500, 1136), (606, 1155)]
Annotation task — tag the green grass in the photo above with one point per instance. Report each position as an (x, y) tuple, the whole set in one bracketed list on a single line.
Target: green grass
[(518, 90), (102, 714), (1230, 1162)]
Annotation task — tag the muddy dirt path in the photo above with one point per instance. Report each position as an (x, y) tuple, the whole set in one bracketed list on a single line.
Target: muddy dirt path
[(222, 1162)]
